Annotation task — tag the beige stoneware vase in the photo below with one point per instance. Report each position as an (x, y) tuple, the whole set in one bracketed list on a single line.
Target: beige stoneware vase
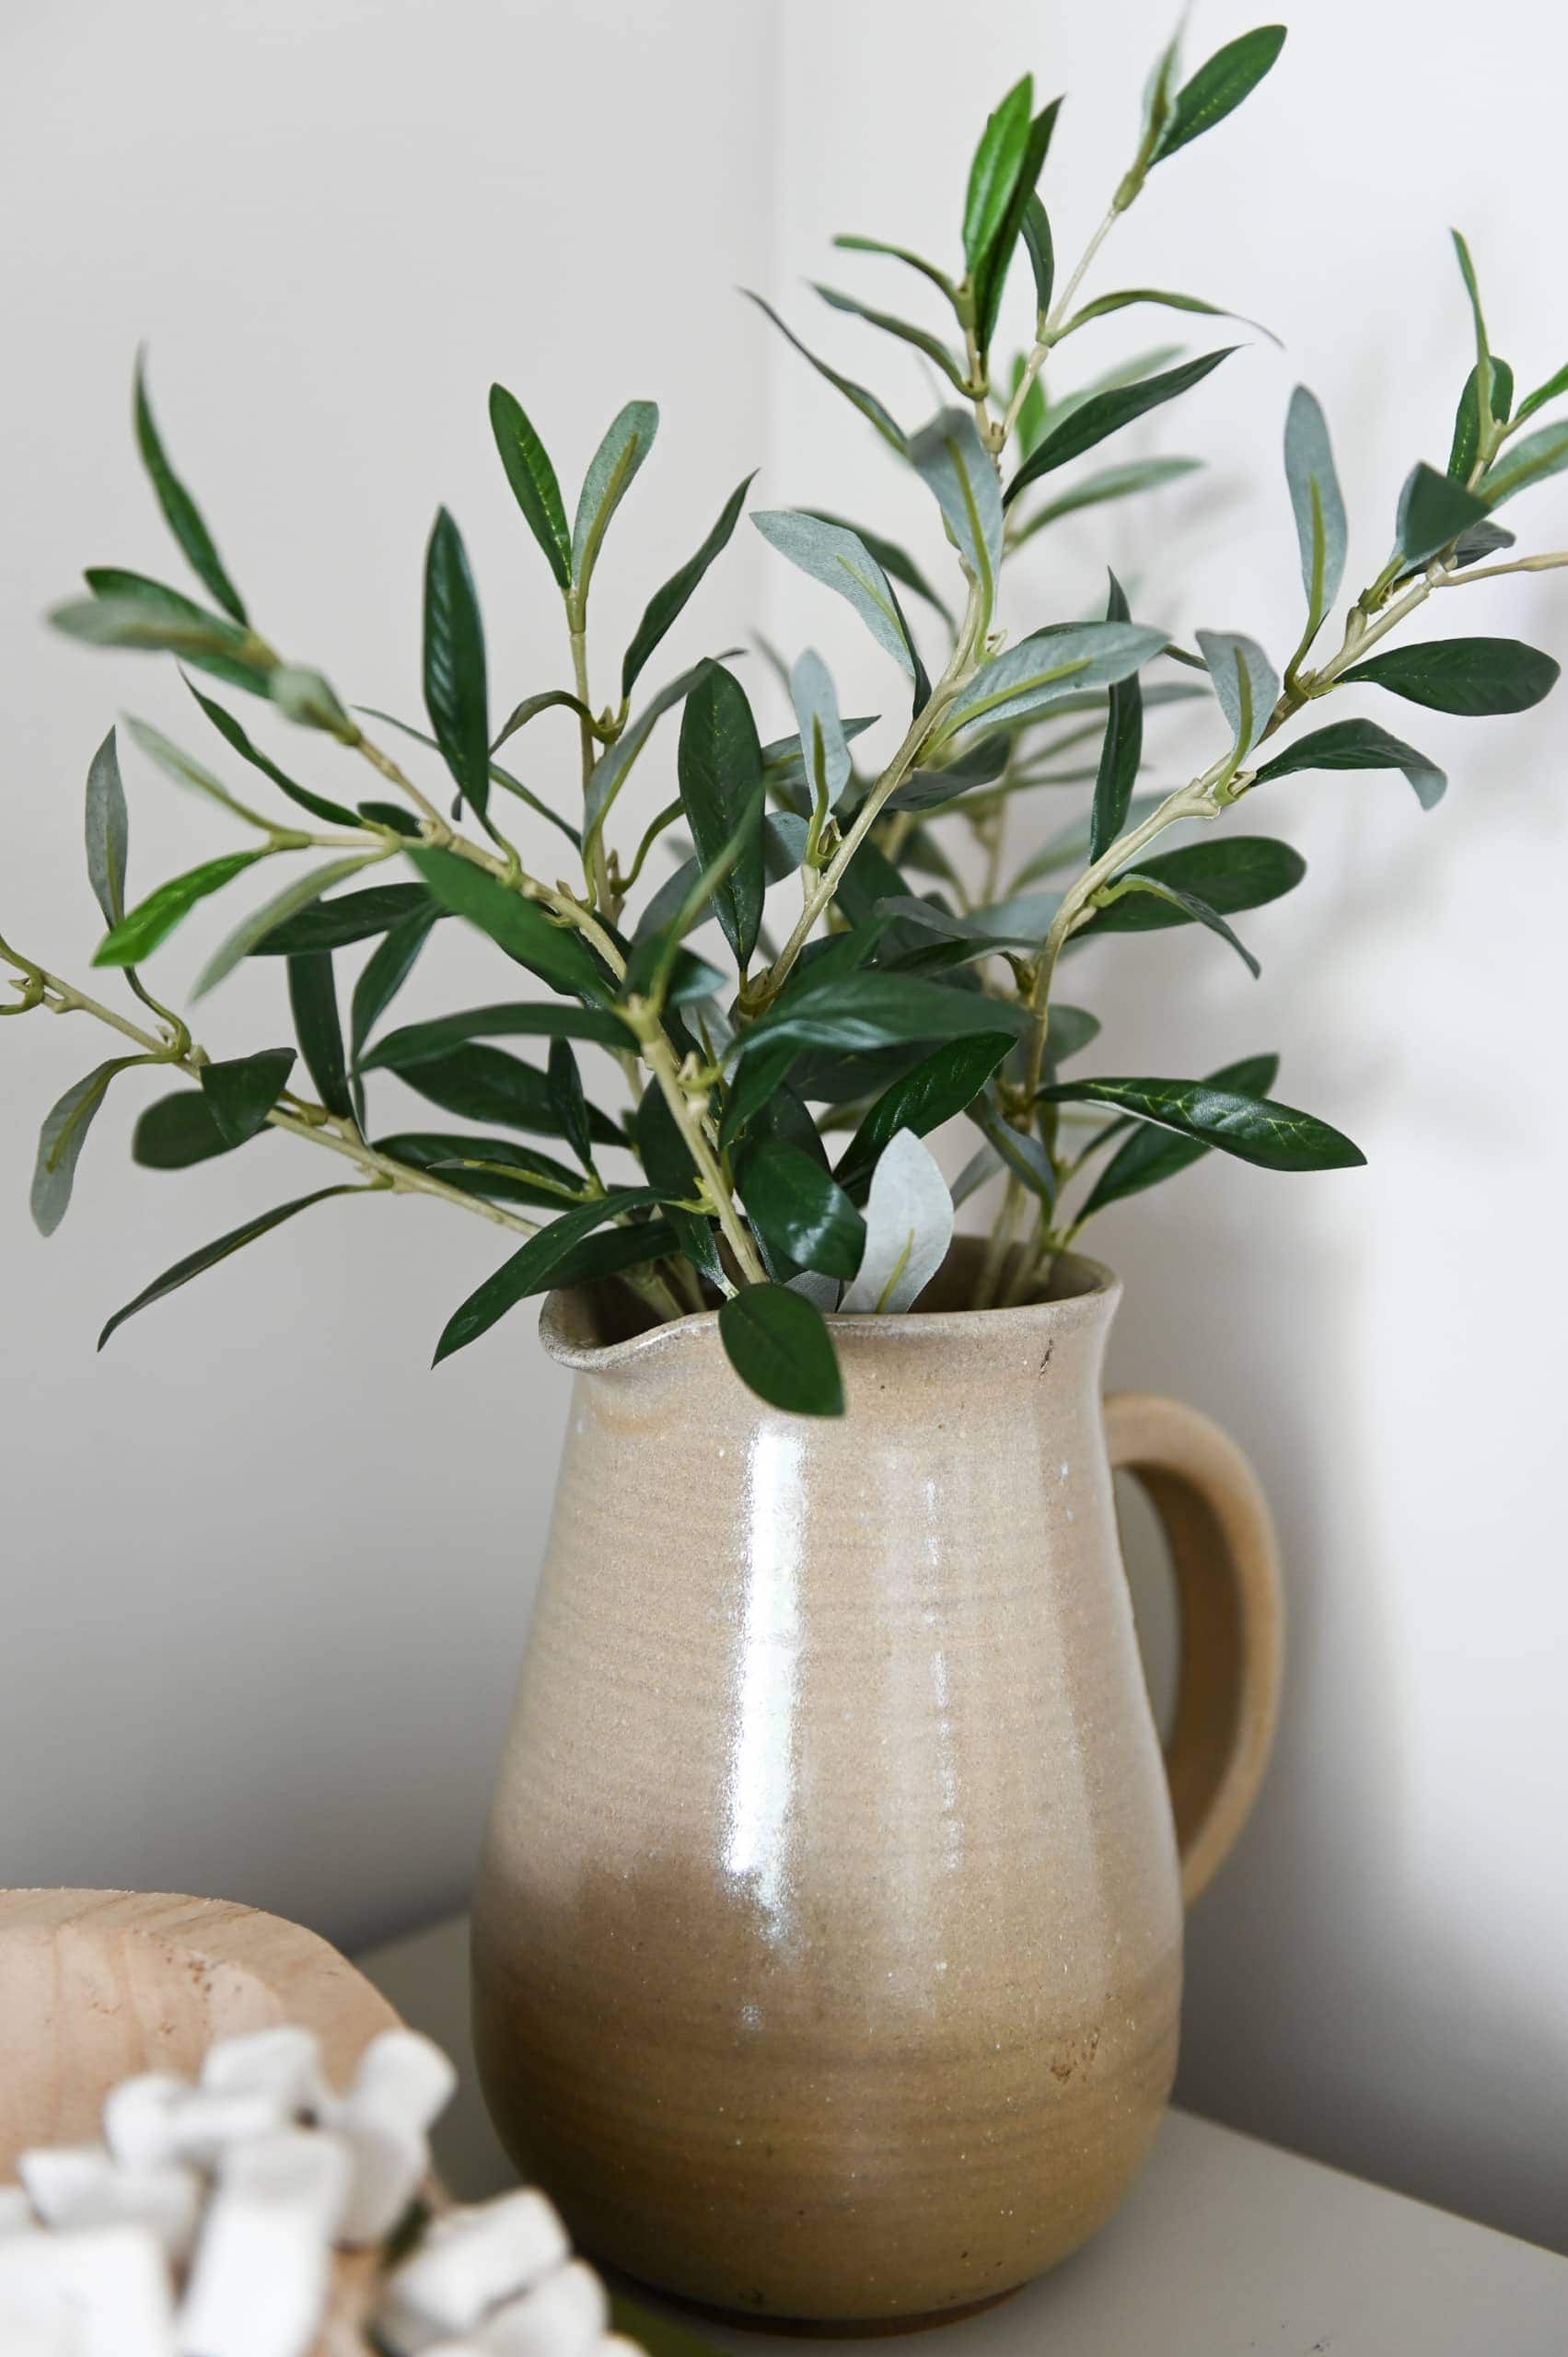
[(827, 1951)]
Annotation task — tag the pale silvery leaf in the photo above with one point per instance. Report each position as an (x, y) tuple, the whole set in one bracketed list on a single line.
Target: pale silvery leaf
[(1050, 664), (820, 1291), (1319, 509), (840, 559), (824, 752), (610, 470), (1245, 682), (909, 1225), (963, 477), (108, 831), (60, 1143), (261, 922)]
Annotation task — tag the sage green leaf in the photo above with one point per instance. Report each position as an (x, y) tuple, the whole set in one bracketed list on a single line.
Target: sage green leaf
[(778, 1344), (1482, 540), (142, 928), (1105, 413), (1474, 676), (1124, 298), (482, 1083), (1109, 482), (1465, 448), (981, 763), (148, 615), (61, 1139), (842, 561), (1218, 88), (235, 734), (1151, 1154), (567, 1102), (1029, 679), (241, 1091), (990, 274), (1246, 684), (1483, 376), (310, 700), (185, 771), (108, 831), (1522, 463), (1433, 511), (719, 767), (336, 924), (614, 766), (1318, 507), (1042, 252), (608, 478), (531, 708), (994, 171), (313, 999), (825, 754), (942, 1084), (533, 481), (520, 926), (419, 1043), (1017, 1151), (180, 512), (1186, 905), (210, 1255), (858, 1010), (1359, 745), (498, 776), (1021, 922), (498, 1169), (865, 402), (895, 561), (1121, 750), (982, 1165), (252, 933), (455, 695), (384, 974), (949, 457), (906, 331), (1555, 384), (1227, 873), (176, 1132), (1254, 1129), (668, 602), (852, 245), (531, 1269), (798, 1211)]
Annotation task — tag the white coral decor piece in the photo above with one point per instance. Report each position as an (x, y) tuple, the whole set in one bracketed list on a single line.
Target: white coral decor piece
[(205, 2223)]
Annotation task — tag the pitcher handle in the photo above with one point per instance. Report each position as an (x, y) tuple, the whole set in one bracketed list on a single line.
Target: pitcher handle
[(1226, 1564)]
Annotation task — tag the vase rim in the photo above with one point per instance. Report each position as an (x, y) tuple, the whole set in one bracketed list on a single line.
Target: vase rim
[(1080, 1286)]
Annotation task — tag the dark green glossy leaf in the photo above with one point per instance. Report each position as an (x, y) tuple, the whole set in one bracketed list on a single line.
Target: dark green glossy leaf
[(667, 1160), (531, 1268), (854, 245), (1122, 749), (353, 916), (564, 1084), (905, 331), (1125, 297), (418, 1043), (333, 813), (780, 1347), (850, 1012), (241, 1091), (210, 1255), (1105, 413), (1219, 86), (839, 559), (994, 171), (611, 1253), (1474, 676), (154, 919), (1228, 874), (533, 481), (719, 767), (531, 708), (1432, 512), (942, 1084), (384, 972), (865, 402), (286, 908), (1151, 1155), (519, 926), (1042, 252), (668, 602), (1465, 448), (174, 1133), (313, 997), (456, 694), (1483, 375), (1254, 1129), (60, 1141), (1359, 745), (1522, 463), (614, 766), (989, 273), (1317, 503), (608, 478), (108, 831), (499, 1169), (483, 1083), (1555, 384), (1134, 888), (180, 512), (799, 1211), (757, 1078), (498, 776)]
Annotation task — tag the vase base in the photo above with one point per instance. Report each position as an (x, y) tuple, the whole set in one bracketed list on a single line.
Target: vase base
[(827, 2329)]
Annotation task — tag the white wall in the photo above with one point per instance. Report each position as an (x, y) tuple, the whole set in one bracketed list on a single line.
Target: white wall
[(335, 223)]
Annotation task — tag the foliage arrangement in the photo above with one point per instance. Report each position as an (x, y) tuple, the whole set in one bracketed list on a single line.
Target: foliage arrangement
[(895, 992)]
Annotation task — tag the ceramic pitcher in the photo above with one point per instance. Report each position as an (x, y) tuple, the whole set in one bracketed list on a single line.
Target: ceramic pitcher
[(828, 1949)]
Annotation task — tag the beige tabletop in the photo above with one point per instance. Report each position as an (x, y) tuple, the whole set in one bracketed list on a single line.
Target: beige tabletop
[(1226, 2247)]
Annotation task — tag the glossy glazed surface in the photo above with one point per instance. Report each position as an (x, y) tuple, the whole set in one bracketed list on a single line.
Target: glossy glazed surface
[(827, 1949)]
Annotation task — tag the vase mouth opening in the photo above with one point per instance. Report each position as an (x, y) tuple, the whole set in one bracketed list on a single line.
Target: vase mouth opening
[(603, 1326)]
